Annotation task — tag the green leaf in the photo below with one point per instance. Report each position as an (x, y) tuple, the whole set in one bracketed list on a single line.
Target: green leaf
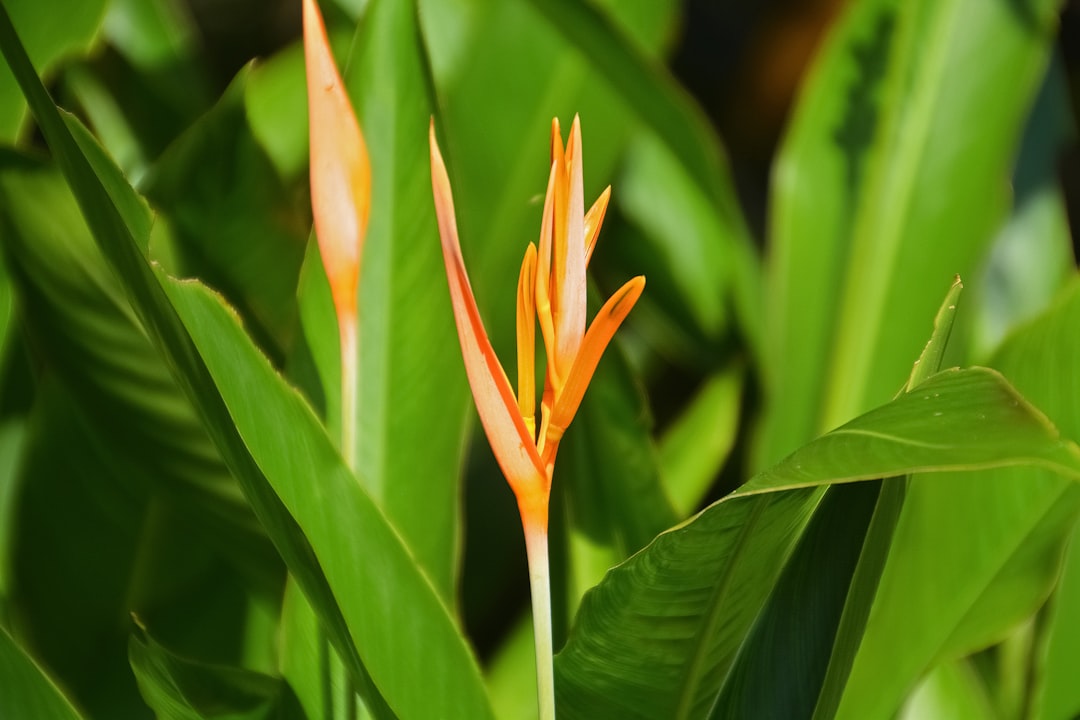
[(694, 448), (330, 533), (1031, 259), (952, 690), (974, 555), (779, 670), (413, 394), (862, 243), (182, 689), (28, 692), (609, 476), (1056, 694), (50, 32), (658, 636), (236, 226), (958, 419)]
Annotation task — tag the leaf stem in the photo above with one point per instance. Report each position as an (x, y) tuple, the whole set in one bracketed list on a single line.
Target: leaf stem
[(536, 547)]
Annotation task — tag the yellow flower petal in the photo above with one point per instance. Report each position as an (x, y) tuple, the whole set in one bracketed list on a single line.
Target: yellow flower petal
[(570, 256), (526, 339), (593, 220), (603, 327)]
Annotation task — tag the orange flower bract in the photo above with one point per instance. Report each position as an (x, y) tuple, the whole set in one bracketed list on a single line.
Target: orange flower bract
[(551, 291)]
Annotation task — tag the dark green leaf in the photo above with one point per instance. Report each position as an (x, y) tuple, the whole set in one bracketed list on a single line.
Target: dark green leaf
[(179, 688), (28, 692)]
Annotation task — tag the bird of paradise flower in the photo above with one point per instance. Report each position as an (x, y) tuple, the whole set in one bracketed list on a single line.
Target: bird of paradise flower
[(551, 292)]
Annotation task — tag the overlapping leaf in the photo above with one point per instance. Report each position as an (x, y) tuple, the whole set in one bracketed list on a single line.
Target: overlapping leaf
[(318, 516)]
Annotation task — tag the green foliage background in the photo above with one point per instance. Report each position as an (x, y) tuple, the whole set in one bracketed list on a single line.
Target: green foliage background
[(180, 538)]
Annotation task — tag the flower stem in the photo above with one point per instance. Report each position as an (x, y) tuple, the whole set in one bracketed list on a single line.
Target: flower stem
[(536, 547), (349, 371)]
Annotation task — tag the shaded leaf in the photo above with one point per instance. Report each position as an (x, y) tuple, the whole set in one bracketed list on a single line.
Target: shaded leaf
[(28, 692), (50, 31), (182, 689)]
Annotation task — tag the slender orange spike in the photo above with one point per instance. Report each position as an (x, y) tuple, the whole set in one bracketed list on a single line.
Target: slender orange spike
[(514, 448), (593, 220), (596, 340), (340, 169), (570, 319), (526, 339), (543, 267)]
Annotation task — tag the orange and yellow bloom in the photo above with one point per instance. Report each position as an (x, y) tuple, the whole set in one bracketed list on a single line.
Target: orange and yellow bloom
[(552, 292)]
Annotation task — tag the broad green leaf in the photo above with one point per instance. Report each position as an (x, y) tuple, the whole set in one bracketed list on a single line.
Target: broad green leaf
[(658, 636), (413, 394), (28, 691), (421, 664), (957, 420), (235, 225), (779, 670), (50, 32), (330, 533), (863, 243), (179, 688), (926, 142), (694, 448), (975, 555)]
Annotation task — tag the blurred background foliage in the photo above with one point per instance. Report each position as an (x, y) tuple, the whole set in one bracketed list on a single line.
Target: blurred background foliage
[(799, 181)]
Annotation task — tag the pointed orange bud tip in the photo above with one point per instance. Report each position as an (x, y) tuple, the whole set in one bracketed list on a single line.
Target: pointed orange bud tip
[(596, 340), (593, 220), (340, 168)]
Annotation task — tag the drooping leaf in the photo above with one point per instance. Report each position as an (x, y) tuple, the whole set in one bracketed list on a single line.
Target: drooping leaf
[(975, 555), (658, 635)]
